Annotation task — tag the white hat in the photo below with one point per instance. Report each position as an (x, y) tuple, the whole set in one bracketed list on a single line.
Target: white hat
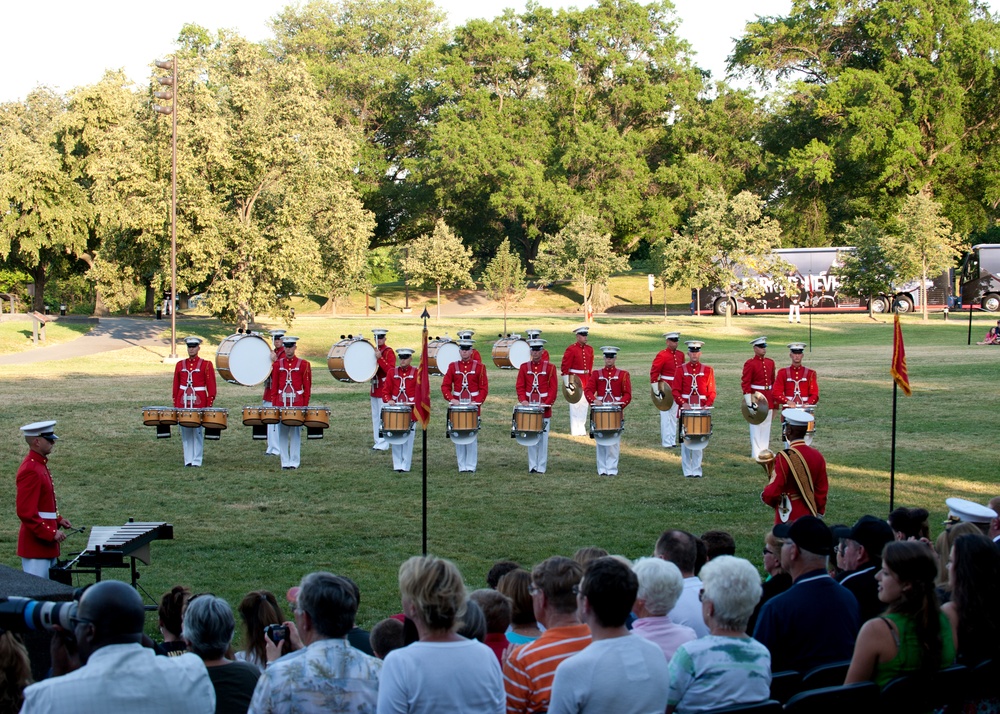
[(581, 330), (404, 352), (969, 511), (465, 342), (290, 340), (39, 428), (797, 417), (694, 345), (533, 333), (759, 342), (610, 351), (192, 341), (672, 336), (536, 344), (466, 334), (277, 334), (380, 332), (797, 346)]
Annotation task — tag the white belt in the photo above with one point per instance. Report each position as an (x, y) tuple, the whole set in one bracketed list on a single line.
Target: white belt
[(459, 393), (50, 515), (578, 371), (665, 378), (758, 386), (197, 389)]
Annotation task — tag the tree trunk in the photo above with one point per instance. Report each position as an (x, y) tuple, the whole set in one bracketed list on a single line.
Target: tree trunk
[(100, 309), (38, 276), (150, 299)]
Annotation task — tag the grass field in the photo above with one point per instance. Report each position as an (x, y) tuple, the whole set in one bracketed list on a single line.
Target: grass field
[(241, 523)]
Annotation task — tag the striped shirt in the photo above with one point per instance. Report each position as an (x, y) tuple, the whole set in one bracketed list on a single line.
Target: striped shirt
[(529, 670)]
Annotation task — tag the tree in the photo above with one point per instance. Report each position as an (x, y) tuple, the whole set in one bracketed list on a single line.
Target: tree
[(581, 252), (505, 280), (866, 272), (925, 245), (725, 241), (439, 259)]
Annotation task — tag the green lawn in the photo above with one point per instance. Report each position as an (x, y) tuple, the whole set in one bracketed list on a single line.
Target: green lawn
[(241, 523), (15, 335)]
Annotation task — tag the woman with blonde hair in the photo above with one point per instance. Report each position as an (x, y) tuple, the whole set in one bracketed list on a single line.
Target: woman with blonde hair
[(442, 672)]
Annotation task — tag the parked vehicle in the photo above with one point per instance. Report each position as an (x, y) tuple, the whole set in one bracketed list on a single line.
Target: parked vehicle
[(980, 277)]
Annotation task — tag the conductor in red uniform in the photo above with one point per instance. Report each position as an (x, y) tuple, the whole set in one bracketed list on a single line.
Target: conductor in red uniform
[(291, 386), (465, 382), (799, 485), (386, 362), (796, 386), (664, 368), (40, 535), (694, 388), (194, 388), (758, 378), (609, 385), (578, 359), (401, 388), (537, 385)]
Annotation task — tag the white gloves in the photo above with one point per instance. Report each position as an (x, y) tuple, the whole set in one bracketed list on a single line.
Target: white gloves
[(565, 381), (656, 388), (748, 398)]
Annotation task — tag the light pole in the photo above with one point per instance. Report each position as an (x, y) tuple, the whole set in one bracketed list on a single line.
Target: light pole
[(171, 95)]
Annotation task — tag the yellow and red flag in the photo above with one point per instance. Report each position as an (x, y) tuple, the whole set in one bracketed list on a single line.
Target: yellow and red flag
[(422, 402), (899, 359)]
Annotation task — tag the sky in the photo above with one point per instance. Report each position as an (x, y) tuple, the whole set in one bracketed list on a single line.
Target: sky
[(63, 44)]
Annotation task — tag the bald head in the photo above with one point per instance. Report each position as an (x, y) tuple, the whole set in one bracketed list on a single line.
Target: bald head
[(110, 613)]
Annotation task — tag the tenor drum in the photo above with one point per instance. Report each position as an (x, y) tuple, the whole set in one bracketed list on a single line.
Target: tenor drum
[(696, 427), (190, 418), (463, 423), (441, 353), (527, 424), (243, 359), (352, 360), (270, 415), (396, 423), (293, 416), (151, 415), (168, 416), (318, 417), (606, 423), (215, 418), (511, 352), (251, 416)]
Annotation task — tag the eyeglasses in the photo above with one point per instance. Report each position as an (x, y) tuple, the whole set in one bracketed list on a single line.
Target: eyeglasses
[(701, 595), (576, 589), (768, 552), (464, 349), (533, 589), (77, 621)]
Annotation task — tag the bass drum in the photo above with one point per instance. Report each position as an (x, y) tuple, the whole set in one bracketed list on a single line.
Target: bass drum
[(511, 352), (352, 360), (243, 359), (441, 353)]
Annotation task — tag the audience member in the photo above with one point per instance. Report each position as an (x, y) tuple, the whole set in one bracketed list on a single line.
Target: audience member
[(961, 510), (910, 524), (994, 529), (171, 613), (660, 584), (836, 567), (258, 609), (681, 549), (208, 630), (913, 635), (863, 544), (616, 672), (473, 624), (588, 553), (701, 555), (386, 636), (15, 673), (974, 571), (357, 637), (815, 621), (442, 672), (516, 586), (497, 611), (499, 569), (118, 672), (328, 674), (726, 667), (942, 547), (529, 669), (718, 543), (776, 581)]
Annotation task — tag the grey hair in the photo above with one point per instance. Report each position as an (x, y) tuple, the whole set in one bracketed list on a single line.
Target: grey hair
[(660, 584), (208, 626), (733, 586)]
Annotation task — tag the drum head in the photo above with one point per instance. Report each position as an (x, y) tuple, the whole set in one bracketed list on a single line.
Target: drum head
[(696, 443), (249, 360), (447, 353), (360, 361), (465, 437), (528, 439), (607, 438), (519, 353)]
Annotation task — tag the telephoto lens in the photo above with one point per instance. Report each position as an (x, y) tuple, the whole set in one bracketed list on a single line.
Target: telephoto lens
[(22, 614)]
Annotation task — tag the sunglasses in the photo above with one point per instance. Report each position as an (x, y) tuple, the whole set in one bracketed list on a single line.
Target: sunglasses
[(465, 349)]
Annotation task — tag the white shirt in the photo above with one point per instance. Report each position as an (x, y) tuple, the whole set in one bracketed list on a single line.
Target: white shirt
[(129, 679), (687, 611)]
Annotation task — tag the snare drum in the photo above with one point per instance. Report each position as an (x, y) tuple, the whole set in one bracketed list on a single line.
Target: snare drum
[(463, 423), (251, 416), (527, 424), (441, 353), (243, 359), (511, 352), (352, 360), (168, 416), (606, 423), (151, 415), (293, 416), (396, 423), (696, 427), (191, 418), (318, 417), (270, 415), (215, 418)]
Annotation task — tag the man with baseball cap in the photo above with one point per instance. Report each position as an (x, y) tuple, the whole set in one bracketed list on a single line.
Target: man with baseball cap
[(816, 621), (40, 535), (862, 552)]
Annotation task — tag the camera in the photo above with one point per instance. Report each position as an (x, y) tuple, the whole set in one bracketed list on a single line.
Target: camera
[(22, 614), (277, 633)]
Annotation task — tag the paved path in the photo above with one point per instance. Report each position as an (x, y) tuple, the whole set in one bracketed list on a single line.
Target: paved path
[(111, 333)]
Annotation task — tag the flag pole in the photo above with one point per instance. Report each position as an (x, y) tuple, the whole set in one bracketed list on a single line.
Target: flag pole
[(900, 378), (423, 397), (892, 451)]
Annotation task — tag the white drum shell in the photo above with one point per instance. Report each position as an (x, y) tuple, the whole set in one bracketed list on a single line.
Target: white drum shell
[(249, 359), (447, 352)]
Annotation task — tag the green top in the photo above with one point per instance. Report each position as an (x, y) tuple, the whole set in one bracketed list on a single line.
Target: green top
[(907, 657)]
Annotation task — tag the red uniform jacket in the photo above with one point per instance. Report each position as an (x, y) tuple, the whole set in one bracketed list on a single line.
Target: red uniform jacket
[(401, 387), (689, 375), (194, 378), (790, 378), (466, 380), (294, 377), (784, 482), (386, 363), (665, 366), (579, 360), (612, 379), (758, 376), (36, 502), (279, 352), (537, 383)]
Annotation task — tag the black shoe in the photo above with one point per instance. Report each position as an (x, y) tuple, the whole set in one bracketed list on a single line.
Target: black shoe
[(186, 465), (533, 471)]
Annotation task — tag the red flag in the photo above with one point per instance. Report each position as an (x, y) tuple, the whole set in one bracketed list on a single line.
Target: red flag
[(422, 403), (899, 359)]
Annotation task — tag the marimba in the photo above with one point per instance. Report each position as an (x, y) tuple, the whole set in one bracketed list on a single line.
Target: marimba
[(109, 546)]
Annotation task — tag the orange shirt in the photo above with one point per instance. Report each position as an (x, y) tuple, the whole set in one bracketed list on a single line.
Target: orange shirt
[(529, 670)]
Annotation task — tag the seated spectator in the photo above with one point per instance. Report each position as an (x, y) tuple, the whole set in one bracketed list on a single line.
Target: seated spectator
[(497, 611), (660, 584), (910, 524), (328, 674), (975, 581), (836, 567), (442, 672), (15, 673), (357, 637), (992, 336), (727, 667), (208, 631), (863, 546), (776, 581), (942, 548), (588, 553), (386, 636), (682, 549), (516, 586), (499, 569), (473, 623), (616, 672), (118, 672), (718, 543), (914, 635), (258, 609), (171, 612)]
